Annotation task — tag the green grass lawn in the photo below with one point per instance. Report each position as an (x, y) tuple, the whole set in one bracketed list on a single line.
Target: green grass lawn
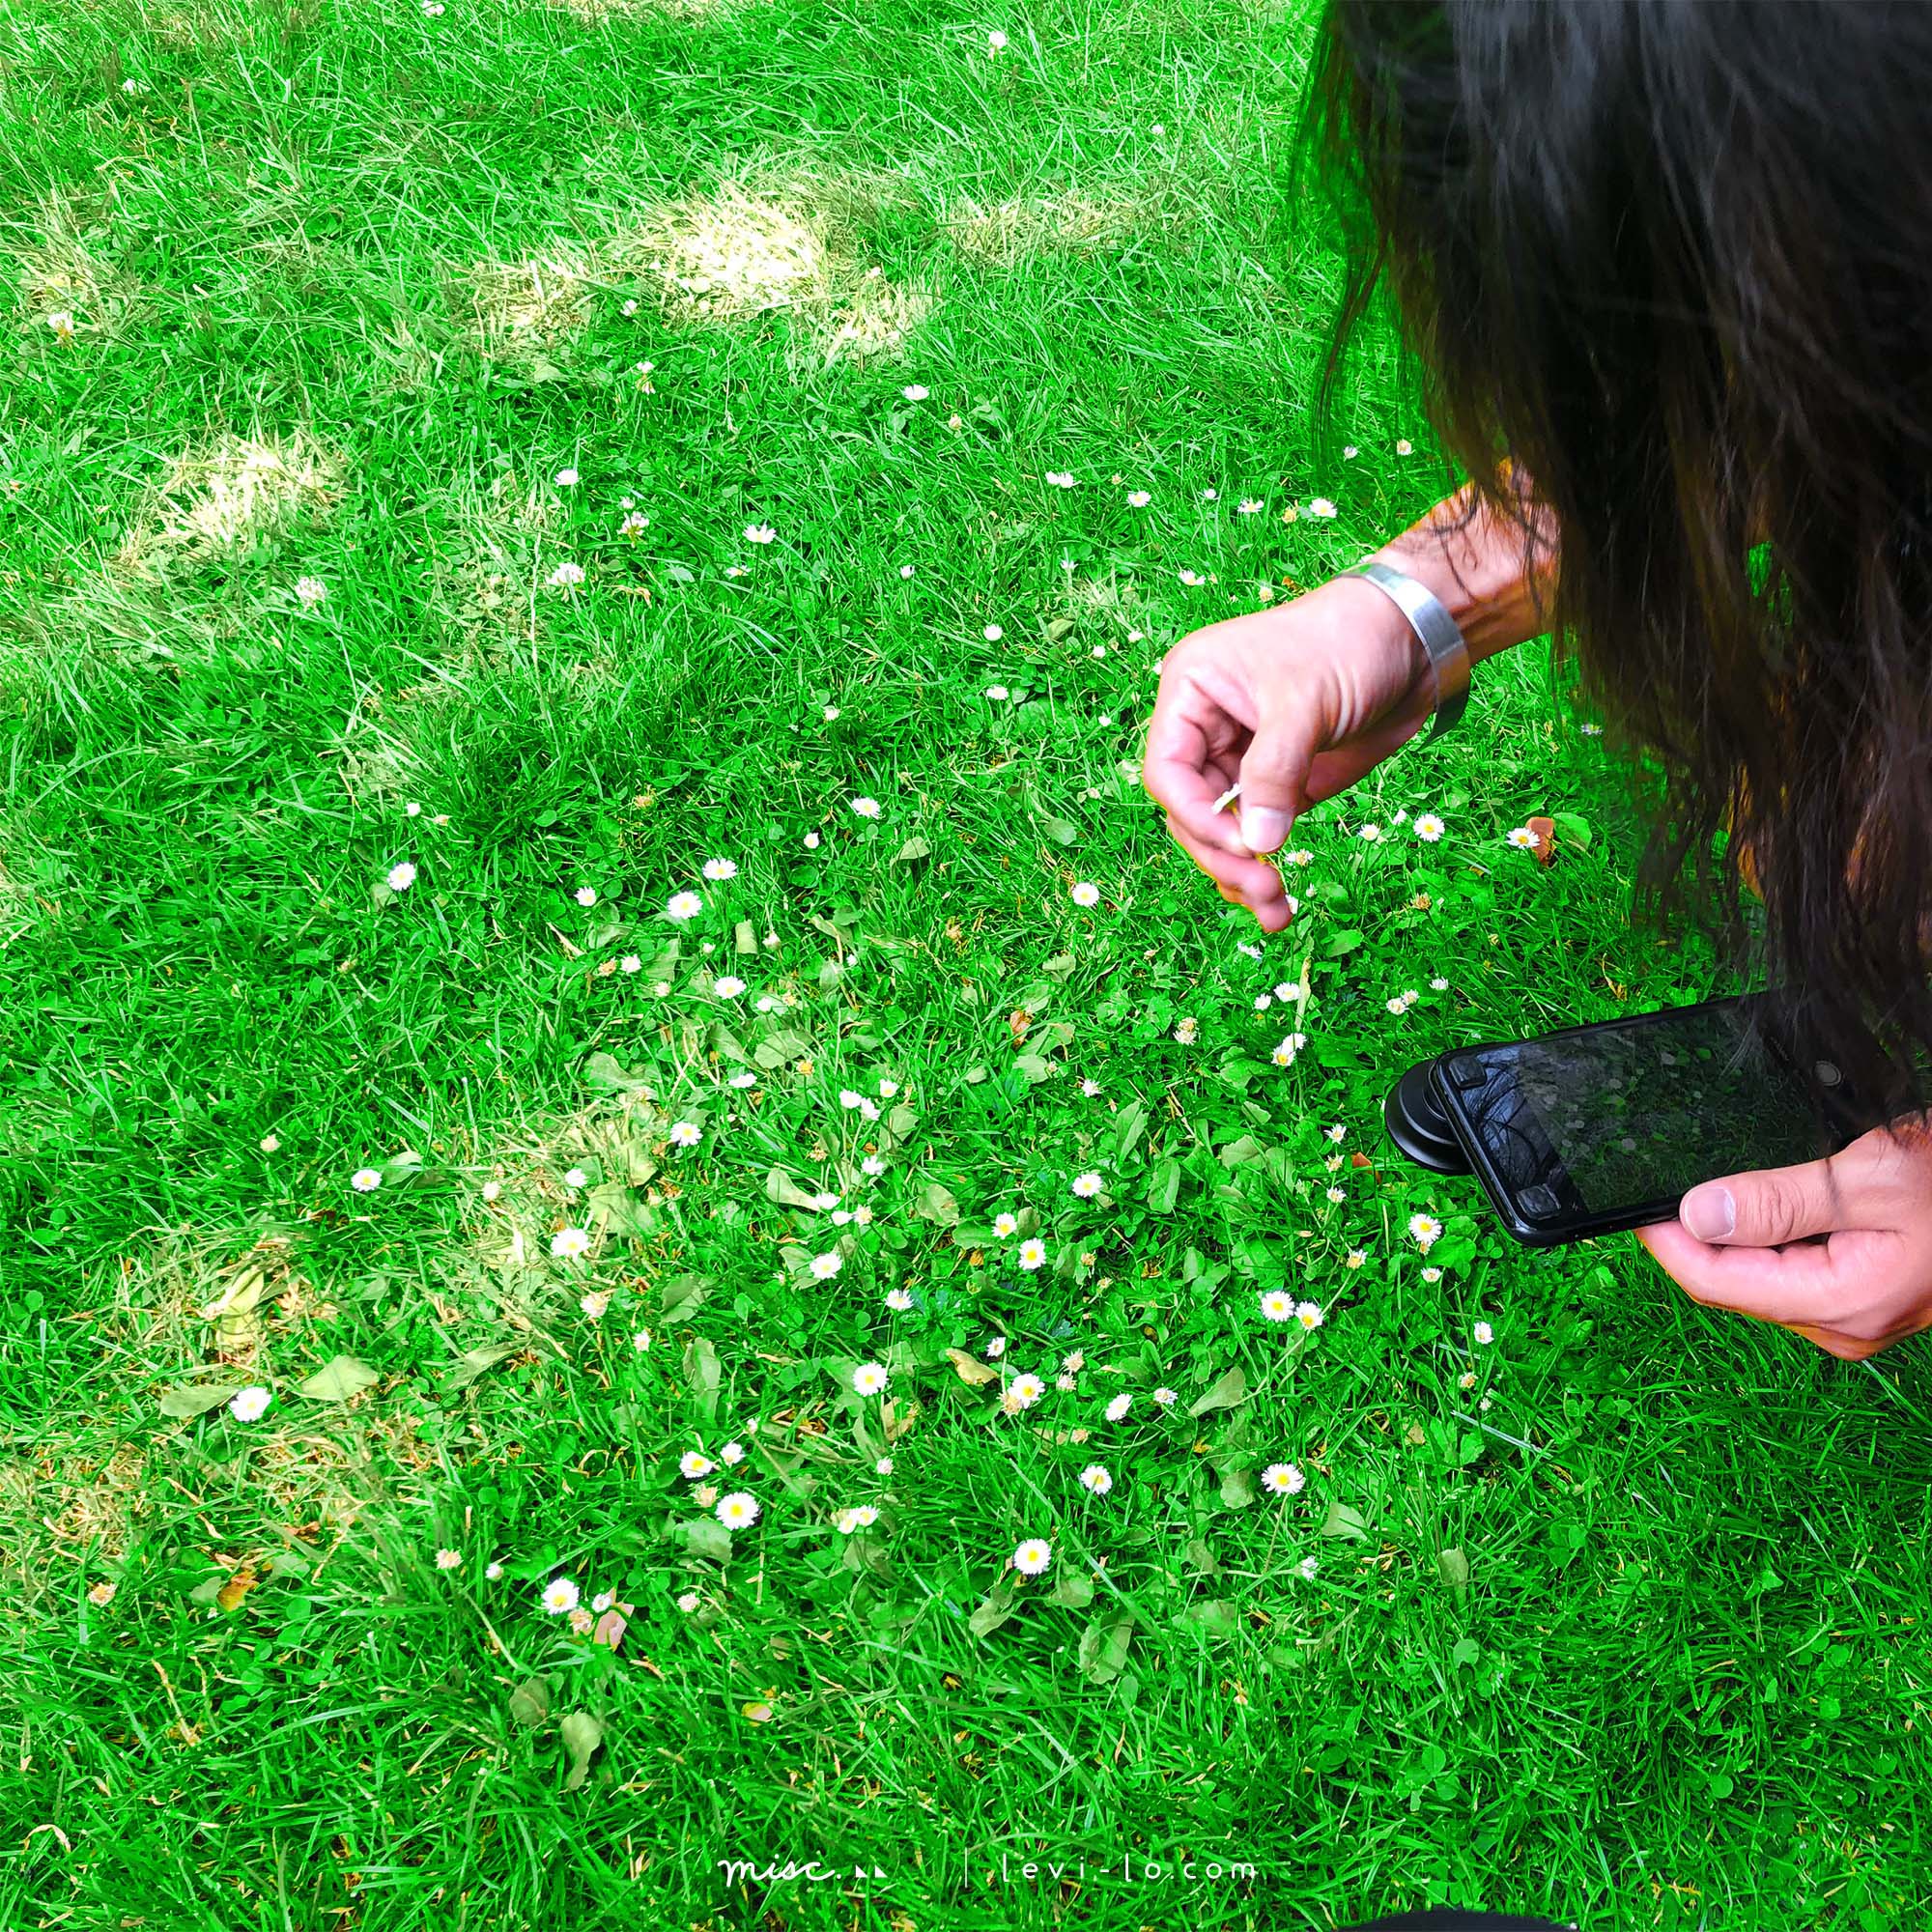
[(1620, 1615)]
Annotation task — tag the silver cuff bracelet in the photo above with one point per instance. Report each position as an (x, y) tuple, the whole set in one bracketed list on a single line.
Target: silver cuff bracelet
[(1441, 638)]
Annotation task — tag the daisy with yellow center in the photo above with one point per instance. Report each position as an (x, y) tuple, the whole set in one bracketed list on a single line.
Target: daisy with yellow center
[(1032, 1556)]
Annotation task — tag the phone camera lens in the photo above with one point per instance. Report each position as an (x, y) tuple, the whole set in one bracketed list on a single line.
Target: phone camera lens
[(1537, 1204), (1828, 1074)]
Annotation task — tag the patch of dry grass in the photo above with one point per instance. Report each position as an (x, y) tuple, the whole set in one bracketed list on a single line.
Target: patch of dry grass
[(62, 269), (592, 11), (764, 243), (231, 495), (1023, 228)]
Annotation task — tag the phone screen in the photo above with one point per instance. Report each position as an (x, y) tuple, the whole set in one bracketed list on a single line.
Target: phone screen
[(1607, 1119)]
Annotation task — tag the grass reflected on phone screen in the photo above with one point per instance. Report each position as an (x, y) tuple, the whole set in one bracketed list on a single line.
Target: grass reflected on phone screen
[(1648, 1111)]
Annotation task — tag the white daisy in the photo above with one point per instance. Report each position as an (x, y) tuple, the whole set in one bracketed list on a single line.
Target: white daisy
[(1138, 498), (559, 1596), (365, 1179), (1429, 828), (685, 1133), (898, 1301), (866, 808), (400, 878), (1166, 1397), (1277, 1304), (1308, 1314), (868, 1377), (695, 1464), (728, 985), (1032, 1556), (825, 1266), (683, 906), (737, 1510), (1033, 1253), (1085, 894), (1484, 1334), (1024, 1391), (1523, 838), (249, 1405), (720, 869), (1087, 1185), (1322, 507), (1118, 1407), (568, 1243), (760, 533), (1283, 1479), (1094, 1477)]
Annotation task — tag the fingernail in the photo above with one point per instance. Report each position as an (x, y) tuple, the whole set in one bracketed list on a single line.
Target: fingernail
[(1709, 1213), (1263, 829)]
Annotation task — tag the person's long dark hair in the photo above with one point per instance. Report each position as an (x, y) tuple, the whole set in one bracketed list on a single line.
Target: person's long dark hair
[(1673, 262)]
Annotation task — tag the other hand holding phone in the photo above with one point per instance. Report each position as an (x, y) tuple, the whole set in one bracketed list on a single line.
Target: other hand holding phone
[(1838, 1250)]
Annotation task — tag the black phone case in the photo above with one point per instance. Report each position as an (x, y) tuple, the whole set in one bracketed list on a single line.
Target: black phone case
[(1577, 1227)]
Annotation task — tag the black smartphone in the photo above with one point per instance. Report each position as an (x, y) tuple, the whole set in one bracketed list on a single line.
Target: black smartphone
[(1598, 1128)]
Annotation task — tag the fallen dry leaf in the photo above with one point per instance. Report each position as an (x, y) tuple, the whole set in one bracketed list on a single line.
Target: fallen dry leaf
[(1545, 830), (229, 1597)]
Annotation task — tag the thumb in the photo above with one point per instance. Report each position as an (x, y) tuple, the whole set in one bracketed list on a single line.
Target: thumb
[(1274, 778), (1765, 1209)]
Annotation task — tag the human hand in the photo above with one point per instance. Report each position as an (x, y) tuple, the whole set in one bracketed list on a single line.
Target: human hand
[(1837, 1250), (1294, 705)]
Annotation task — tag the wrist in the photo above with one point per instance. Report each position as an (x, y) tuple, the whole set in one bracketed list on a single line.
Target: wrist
[(1478, 573)]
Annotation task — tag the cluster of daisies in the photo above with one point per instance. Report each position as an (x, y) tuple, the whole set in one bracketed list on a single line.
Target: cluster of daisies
[(739, 1509), (603, 1621)]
